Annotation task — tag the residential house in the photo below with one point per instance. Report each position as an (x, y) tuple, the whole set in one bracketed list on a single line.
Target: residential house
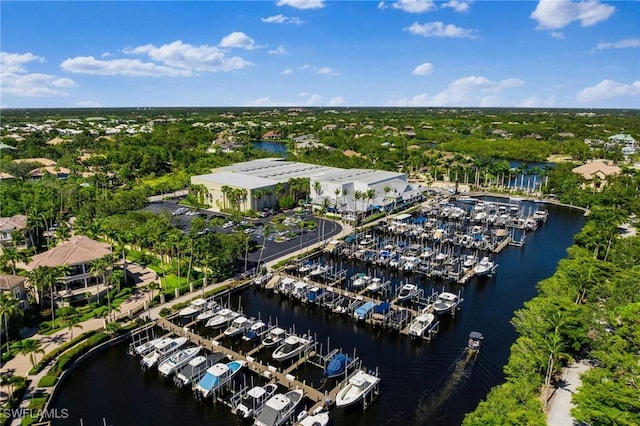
[(78, 252), (271, 135), (596, 172), (14, 285), (9, 225)]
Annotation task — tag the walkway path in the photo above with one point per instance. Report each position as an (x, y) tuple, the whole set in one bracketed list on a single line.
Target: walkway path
[(559, 411)]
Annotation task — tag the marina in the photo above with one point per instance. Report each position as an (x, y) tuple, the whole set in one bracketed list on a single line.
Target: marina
[(402, 361)]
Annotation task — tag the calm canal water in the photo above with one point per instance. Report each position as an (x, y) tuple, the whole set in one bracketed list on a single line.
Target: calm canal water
[(422, 383)]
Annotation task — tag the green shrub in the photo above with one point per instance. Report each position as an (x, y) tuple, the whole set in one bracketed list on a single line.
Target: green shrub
[(47, 381), (164, 312)]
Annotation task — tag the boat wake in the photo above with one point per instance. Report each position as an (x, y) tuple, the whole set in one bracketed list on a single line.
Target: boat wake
[(456, 375)]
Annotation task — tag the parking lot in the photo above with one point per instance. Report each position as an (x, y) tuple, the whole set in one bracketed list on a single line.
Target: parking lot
[(254, 227)]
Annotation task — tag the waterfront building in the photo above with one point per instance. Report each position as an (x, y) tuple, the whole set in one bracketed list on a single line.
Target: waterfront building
[(78, 252), (595, 172), (254, 184)]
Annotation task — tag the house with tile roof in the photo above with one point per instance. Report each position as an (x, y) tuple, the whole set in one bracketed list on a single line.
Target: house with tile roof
[(596, 172), (9, 225), (15, 286), (78, 252)]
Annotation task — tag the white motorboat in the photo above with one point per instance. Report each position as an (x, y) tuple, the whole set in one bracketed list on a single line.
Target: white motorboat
[(375, 284), (361, 279), (194, 370), (358, 386), (469, 261), (407, 291), (475, 341), (291, 347), (284, 286), (253, 402), (254, 332), (206, 314), (273, 337), (300, 290), (196, 306), (306, 267), (178, 360), (446, 302), (319, 270), (279, 409), (217, 376), (238, 326), (319, 417), (222, 318), (421, 324), (146, 347), (484, 267), (162, 349)]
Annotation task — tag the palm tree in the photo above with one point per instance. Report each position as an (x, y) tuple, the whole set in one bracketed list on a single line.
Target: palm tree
[(99, 268), (265, 233), (73, 321), (323, 212), (30, 347), (43, 278), (371, 195), (10, 255), (337, 194), (9, 307)]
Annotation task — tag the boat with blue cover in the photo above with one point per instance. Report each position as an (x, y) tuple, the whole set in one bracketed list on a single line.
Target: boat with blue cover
[(362, 312), (337, 366), (217, 376)]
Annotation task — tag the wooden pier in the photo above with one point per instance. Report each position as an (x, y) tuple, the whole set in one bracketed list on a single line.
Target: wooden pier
[(270, 372)]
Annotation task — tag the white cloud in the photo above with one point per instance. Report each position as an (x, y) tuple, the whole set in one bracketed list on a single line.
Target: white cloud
[(14, 62), (608, 89), (466, 91), (381, 5), (311, 99), (187, 57), (15, 79), (337, 101), (319, 70), (536, 102), (414, 6), (558, 35), (556, 14), (288, 71), (423, 69), (128, 67), (438, 29), (303, 98), (280, 50), (326, 71), (106, 55), (459, 5), (238, 40), (281, 19), (302, 4), (88, 104), (622, 44)]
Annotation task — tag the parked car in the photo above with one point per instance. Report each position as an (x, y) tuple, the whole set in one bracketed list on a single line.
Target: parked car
[(204, 231), (227, 225), (179, 211)]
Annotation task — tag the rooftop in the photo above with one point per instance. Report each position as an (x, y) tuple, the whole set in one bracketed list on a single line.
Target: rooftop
[(75, 251), (8, 282), (594, 167), (237, 180), (13, 223)]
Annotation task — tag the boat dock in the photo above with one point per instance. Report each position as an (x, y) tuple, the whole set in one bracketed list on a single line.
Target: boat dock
[(274, 374)]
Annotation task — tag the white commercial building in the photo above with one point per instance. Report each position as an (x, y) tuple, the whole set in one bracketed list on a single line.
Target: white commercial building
[(347, 190)]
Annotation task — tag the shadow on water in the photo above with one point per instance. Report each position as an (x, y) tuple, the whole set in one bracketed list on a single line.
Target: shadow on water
[(453, 380)]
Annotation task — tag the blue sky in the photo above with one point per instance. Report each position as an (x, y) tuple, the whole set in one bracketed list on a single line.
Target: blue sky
[(547, 53)]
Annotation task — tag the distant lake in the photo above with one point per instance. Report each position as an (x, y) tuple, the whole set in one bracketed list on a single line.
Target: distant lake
[(269, 146)]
